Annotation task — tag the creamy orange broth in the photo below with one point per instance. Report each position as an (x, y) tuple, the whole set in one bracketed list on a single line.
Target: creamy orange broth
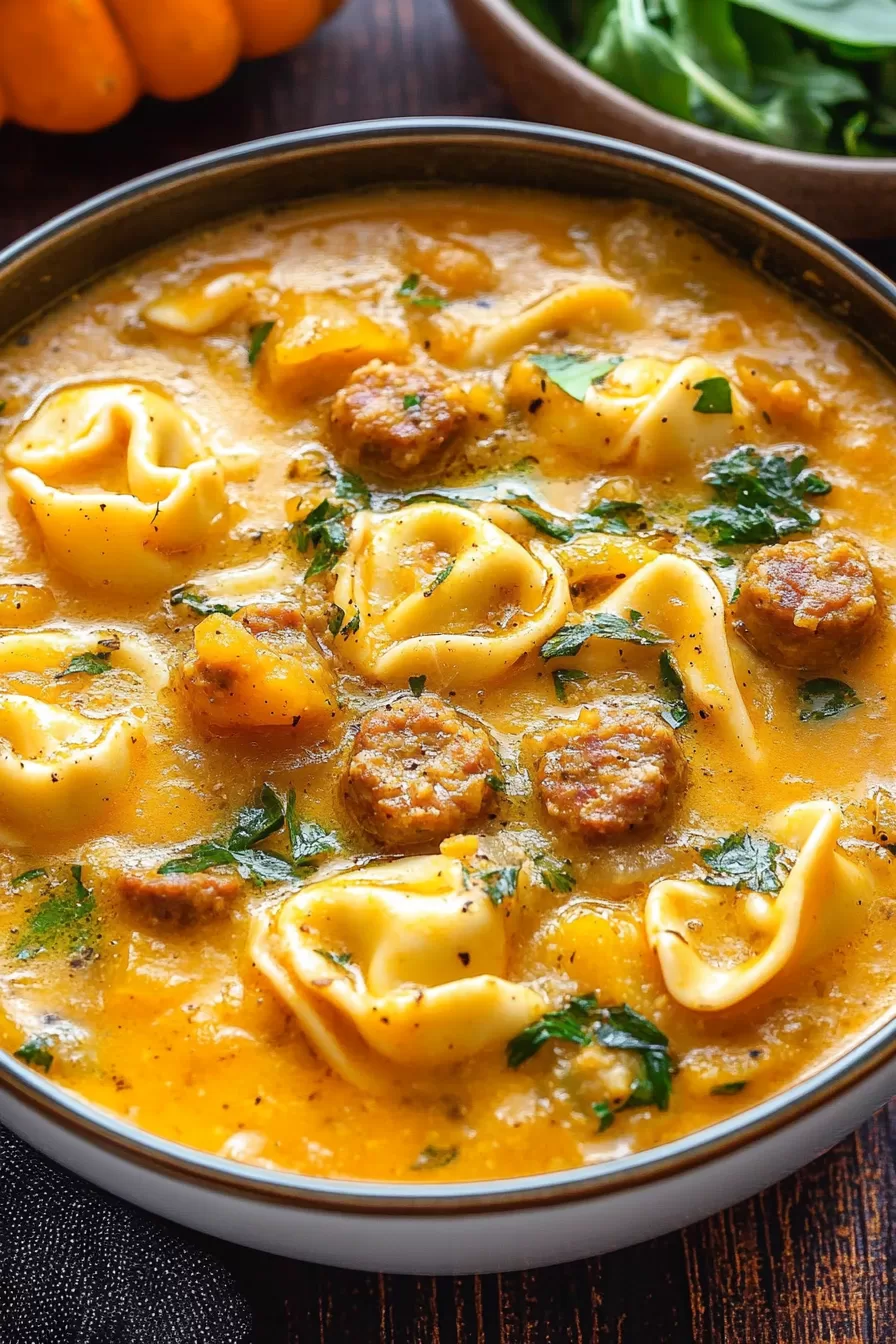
[(170, 1026)]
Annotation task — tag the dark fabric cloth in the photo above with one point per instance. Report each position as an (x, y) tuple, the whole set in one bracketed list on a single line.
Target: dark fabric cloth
[(79, 1267)]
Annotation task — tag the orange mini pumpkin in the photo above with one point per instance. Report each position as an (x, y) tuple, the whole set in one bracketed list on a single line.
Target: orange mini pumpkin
[(77, 65)]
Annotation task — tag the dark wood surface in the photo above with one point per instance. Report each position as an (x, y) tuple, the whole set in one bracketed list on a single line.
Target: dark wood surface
[(808, 1262)]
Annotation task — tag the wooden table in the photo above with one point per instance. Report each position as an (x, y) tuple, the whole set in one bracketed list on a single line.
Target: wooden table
[(809, 1261)]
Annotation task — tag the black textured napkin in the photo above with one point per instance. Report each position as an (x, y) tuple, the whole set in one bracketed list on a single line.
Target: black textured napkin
[(79, 1267)]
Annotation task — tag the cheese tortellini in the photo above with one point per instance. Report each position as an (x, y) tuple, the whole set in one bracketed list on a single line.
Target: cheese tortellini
[(118, 482), (401, 962), (60, 764), (694, 928), (445, 593), (202, 307)]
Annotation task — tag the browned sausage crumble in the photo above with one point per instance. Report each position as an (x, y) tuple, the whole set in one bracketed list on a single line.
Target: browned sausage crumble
[(418, 771), (608, 771), (181, 897), (807, 603), (402, 413)]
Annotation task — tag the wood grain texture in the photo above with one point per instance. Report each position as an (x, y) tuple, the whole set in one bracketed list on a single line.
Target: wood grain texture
[(809, 1261)]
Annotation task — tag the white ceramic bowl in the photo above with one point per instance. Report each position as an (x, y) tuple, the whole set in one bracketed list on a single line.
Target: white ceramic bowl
[(483, 1226)]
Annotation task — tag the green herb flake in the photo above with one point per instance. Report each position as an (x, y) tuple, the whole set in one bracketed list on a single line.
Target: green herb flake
[(335, 617), (715, 397), (499, 883), (410, 289), (257, 337), (605, 1115), (257, 820), (417, 685), (90, 664), (432, 1157), (675, 712), (621, 1028), (29, 876), (555, 874), (728, 1089), (353, 626), (575, 374), (439, 579), (2, 405), (308, 840), (198, 602), (566, 676), (62, 921), (496, 783), (323, 531), (761, 497), (611, 515), (551, 527), (825, 698), (337, 958), (572, 1023), (745, 861), (36, 1052), (601, 625), (410, 400), (351, 486)]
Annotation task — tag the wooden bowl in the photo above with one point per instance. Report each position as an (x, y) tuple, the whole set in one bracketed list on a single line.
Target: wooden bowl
[(853, 197)]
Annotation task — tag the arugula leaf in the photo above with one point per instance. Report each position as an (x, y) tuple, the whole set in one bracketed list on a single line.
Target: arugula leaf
[(417, 685), (762, 497), (308, 840), (825, 698), (728, 1089), (335, 618), (605, 1115), (434, 1157), (745, 861), (257, 337), (63, 918), (572, 1023), (257, 820), (36, 1052), (351, 486), (410, 289), (323, 531), (28, 876), (499, 883), (555, 874), (337, 958), (676, 712), (563, 677), (439, 578), (601, 625), (621, 1028), (574, 374), (91, 664), (196, 601), (715, 396)]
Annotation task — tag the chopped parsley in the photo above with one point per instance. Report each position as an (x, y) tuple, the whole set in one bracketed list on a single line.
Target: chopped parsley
[(621, 1028), (257, 337), (351, 486), (335, 617), (62, 920), (434, 1157), (675, 712), (410, 289), (825, 698), (417, 685), (28, 876), (563, 677), (572, 1023), (715, 396), (761, 497), (605, 1115), (551, 527), (555, 874), (2, 405), (499, 883), (198, 602), (323, 532), (728, 1089), (745, 861), (600, 625), (607, 515), (410, 400), (353, 626), (36, 1052), (440, 578), (308, 840), (496, 783), (90, 664), (337, 958), (612, 515), (574, 374)]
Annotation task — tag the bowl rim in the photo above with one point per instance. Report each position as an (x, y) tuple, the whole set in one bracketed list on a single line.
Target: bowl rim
[(126, 1141), (525, 32)]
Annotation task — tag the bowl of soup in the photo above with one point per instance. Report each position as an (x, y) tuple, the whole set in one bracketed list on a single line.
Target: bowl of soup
[(445, 663)]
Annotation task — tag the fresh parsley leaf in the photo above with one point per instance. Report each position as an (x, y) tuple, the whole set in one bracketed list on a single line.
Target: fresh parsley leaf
[(196, 601), (605, 1115), (201, 857), (410, 289), (621, 1028), (323, 531), (563, 677), (351, 486), (91, 664), (551, 527), (574, 374), (335, 619), (408, 286), (675, 712), (308, 840), (337, 958), (416, 685), (257, 337), (434, 1157), (555, 874), (745, 861), (36, 1052), (439, 578), (257, 820), (61, 919), (254, 822), (612, 515), (761, 497), (410, 400), (353, 626), (496, 783), (261, 865), (728, 1089), (825, 698), (28, 876), (499, 883), (2, 405), (572, 1023), (600, 625), (715, 397)]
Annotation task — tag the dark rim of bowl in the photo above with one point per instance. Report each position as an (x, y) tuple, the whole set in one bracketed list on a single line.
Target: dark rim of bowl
[(92, 1124), (847, 166)]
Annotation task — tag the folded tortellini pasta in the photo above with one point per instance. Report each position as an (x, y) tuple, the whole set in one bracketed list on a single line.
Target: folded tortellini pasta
[(445, 593), (118, 481), (59, 766), (197, 309), (399, 964), (642, 411), (586, 306), (693, 927)]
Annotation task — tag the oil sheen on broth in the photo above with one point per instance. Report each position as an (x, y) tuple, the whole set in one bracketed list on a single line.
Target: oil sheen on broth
[(444, 686)]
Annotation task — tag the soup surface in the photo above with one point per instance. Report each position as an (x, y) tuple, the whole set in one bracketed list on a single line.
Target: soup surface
[(445, 687)]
